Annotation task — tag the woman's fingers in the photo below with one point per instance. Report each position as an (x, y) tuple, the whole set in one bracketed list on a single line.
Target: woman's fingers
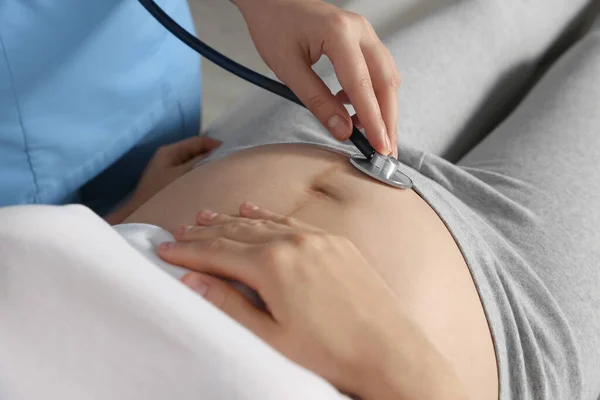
[(226, 298), (386, 81), (209, 218), (355, 78), (252, 211), (243, 231), (216, 256), (187, 149), (253, 226), (248, 212)]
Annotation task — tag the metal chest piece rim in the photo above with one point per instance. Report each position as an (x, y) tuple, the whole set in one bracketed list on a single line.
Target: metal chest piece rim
[(382, 168)]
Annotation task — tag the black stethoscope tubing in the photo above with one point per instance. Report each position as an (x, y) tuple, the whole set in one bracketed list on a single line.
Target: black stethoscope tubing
[(357, 138)]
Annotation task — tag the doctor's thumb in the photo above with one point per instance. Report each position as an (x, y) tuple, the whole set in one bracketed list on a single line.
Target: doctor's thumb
[(317, 97)]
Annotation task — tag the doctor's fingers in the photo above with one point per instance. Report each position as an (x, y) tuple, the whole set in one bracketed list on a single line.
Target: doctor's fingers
[(386, 81), (317, 97), (357, 74), (343, 97)]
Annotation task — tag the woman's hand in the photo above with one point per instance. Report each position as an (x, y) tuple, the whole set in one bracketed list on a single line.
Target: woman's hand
[(327, 308), (291, 35), (168, 163)]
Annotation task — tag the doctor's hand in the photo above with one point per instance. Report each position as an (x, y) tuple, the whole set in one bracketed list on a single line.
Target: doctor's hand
[(168, 163), (291, 36), (327, 309)]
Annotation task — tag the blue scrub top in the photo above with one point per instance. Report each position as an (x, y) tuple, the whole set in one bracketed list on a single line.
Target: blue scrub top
[(88, 90)]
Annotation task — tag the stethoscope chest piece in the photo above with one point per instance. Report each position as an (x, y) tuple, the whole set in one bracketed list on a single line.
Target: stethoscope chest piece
[(383, 168)]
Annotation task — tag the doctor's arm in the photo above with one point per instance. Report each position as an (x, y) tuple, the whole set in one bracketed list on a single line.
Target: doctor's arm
[(328, 310), (291, 36)]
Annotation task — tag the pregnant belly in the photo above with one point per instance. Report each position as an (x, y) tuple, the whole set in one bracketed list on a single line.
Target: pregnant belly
[(398, 233)]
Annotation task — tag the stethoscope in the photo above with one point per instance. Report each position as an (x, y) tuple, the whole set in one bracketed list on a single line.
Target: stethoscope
[(383, 168)]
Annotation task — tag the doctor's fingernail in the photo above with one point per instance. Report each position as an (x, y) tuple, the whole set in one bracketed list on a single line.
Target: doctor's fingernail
[(338, 127), (388, 145), (206, 215)]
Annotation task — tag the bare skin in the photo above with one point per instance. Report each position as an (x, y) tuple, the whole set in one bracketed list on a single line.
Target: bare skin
[(396, 231), (326, 307)]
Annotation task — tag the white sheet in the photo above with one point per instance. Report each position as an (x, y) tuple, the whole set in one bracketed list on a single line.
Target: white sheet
[(146, 238), (84, 315)]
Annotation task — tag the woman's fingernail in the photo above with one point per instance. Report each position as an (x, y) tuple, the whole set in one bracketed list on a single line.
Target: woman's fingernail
[(338, 127), (199, 287), (165, 246), (206, 215), (182, 229), (249, 206)]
